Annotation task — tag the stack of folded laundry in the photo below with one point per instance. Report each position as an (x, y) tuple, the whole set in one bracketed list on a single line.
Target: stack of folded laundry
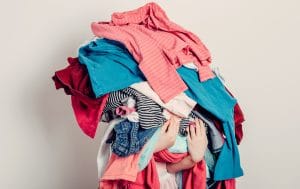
[(138, 70)]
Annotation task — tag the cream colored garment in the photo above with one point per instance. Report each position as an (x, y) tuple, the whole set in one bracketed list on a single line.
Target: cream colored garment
[(180, 105), (166, 180)]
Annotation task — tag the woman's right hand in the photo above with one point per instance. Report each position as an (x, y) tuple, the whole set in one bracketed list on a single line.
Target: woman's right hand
[(168, 134)]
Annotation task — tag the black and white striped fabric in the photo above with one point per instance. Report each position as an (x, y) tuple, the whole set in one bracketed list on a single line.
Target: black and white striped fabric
[(185, 122), (150, 113)]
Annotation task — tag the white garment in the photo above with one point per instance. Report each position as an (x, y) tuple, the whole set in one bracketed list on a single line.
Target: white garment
[(130, 102), (133, 117), (86, 42), (191, 65), (180, 105), (207, 171), (166, 179), (104, 152), (217, 72)]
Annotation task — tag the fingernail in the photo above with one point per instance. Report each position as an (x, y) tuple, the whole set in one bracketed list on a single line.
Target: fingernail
[(192, 124)]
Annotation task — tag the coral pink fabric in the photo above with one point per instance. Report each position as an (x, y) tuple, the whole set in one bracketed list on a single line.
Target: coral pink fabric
[(146, 179), (87, 109), (194, 178), (158, 45), (122, 168)]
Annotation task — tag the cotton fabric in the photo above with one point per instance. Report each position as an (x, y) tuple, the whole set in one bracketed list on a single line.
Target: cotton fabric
[(158, 45), (213, 97), (74, 79), (110, 66), (181, 105)]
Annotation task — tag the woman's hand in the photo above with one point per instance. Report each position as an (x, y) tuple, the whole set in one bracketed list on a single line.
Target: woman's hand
[(168, 134), (197, 140)]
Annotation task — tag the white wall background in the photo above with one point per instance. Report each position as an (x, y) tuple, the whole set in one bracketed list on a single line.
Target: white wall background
[(255, 44)]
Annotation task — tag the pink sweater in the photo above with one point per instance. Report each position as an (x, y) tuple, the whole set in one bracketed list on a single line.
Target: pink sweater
[(158, 45)]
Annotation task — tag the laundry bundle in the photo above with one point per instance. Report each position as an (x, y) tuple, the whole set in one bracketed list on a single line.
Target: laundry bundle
[(138, 70)]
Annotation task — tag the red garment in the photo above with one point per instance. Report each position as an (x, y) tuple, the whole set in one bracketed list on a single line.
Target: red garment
[(168, 157), (87, 109), (146, 179), (226, 184), (158, 45), (194, 178), (238, 120)]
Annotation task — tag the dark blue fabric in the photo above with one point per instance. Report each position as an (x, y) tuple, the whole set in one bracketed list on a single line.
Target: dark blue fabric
[(213, 97), (110, 66), (130, 138)]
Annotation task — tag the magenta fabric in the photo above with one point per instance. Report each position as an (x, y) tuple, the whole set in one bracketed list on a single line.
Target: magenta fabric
[(124, 110), (87, 109), (146, 179)]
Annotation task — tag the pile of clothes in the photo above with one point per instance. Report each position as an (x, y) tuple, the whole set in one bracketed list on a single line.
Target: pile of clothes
[(139, 68)]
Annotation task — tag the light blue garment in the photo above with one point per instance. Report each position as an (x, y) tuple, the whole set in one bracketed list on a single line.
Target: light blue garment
[(178, 177), (180, 145), (213, 97), (110, 66), (215, 137), (148, 150)]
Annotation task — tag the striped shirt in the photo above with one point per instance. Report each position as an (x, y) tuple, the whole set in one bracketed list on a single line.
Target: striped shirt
[(158, 45), (150, 113)]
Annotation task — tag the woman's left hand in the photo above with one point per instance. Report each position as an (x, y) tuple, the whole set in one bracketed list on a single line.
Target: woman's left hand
[(197, 140)]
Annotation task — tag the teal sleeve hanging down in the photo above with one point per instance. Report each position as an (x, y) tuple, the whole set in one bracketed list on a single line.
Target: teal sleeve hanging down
[(213, 97), (110, 66)]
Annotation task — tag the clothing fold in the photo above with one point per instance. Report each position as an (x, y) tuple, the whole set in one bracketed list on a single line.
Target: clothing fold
[(75, 81), (140, 69), (158, 45)]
